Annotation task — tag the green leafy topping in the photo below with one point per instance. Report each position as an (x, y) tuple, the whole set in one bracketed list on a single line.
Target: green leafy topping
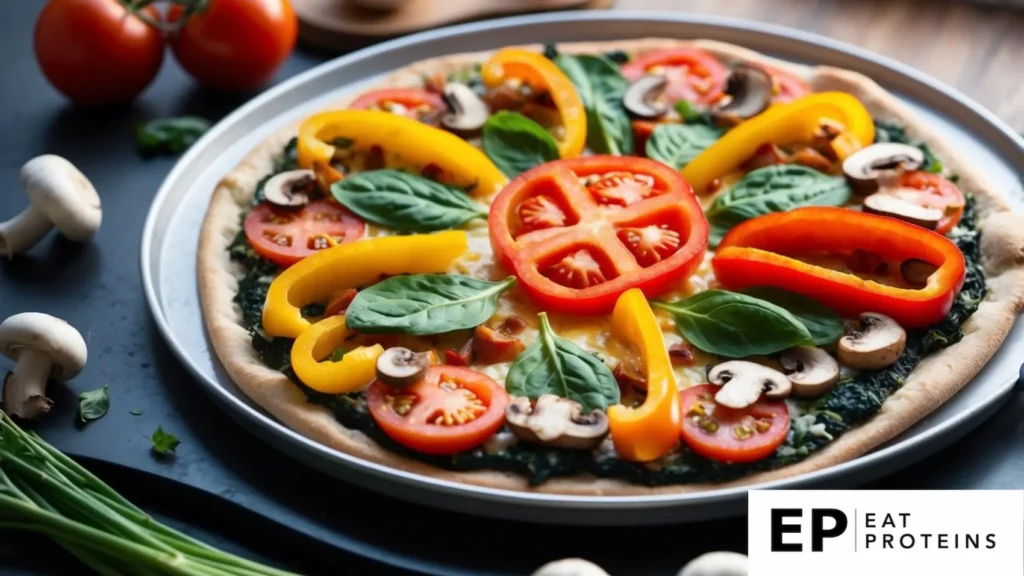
[(163, 442), (554, 365), (516, 143), (735, 325), (678, 144), (169, 135), (824, 325), (776, 188), (425, 304), (601, 86), (688, 113), (93, 404), (405, 202)]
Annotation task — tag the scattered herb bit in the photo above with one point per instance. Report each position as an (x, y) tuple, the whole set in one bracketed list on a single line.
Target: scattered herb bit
[(405, 202), (135, 412), (516, 143), (601, 87), (824, 325), (313, 310), (776, 188), (93, 404), (169, 135), (617, 56), (678, 144), (550, 51), (735, 325), (337, 355), (163, 442), (688, 113), (554, 365)]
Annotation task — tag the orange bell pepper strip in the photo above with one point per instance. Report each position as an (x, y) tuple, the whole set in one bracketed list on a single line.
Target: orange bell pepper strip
[(783, 124), (539, 73), (321, 275), (760, 252), (651, 430), (406, 143), (353, 372)]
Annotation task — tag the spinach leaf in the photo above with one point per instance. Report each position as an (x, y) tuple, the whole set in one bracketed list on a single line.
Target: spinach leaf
[(425, 304), (93, 404), (824, 325), (163, 443), (515, 143), (405, 202), (774, 189), (554, 365), (735, 325), (601, 86), (169, 135), (678, 144)]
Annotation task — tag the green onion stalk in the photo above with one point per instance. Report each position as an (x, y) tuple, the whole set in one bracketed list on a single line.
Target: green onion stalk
[(44, 491)]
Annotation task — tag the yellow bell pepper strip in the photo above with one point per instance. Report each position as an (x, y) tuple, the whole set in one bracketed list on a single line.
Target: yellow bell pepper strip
[(781, 124), (651, 430), (539, 73), (406, 143), (321, 275), (354, 371)]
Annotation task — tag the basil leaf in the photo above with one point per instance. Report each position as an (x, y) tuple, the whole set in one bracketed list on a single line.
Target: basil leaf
[(405, 202), (554, 365), (515, 143), (601, 87), (163, 443), (169, 135), (424, 304), (678, 144), (824, 325), (93, 404), (735, 325), (774, 188)]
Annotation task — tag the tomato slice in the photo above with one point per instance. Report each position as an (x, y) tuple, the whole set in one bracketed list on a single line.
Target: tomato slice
[(730, 435), (580, 232), (933, 191), (415, 103), (786, 86), (287, 236), (450, 410), (693, 75)]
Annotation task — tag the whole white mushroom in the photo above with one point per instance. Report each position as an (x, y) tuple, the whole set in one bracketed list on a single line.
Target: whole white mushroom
[(42, 347), (716, 564), (570, 567), (59, 196)]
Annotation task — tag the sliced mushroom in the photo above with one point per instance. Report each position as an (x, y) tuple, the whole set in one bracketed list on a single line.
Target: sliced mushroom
[(717, 564), (886, 204), (554, 421), (812, 371), (641, 99), (42, 347), (570, 567), (400, 367), (916, 272), (880, 164), (743, 383), (467, 112), (290, 189), (750, 89), (876, 343), (59, 196)]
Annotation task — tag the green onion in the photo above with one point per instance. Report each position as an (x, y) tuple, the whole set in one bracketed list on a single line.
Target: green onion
[(44, 491)]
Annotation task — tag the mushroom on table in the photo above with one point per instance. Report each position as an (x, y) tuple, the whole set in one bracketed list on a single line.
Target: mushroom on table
[(42, 347), (570, 567), (717, 564), (59, 196)]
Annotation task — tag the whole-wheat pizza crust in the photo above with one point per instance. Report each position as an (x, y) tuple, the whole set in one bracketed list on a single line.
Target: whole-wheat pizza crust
[(933, 382)]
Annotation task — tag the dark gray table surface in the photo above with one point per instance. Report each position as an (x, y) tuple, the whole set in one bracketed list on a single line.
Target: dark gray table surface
[(224, 485)]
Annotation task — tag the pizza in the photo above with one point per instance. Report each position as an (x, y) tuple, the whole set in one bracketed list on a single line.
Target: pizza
[(640, 267)]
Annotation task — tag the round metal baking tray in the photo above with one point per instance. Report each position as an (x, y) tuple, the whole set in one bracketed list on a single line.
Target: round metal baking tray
[(171, 234)]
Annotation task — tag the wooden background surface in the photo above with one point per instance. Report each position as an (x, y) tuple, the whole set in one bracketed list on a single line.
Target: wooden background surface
[(979, 50)]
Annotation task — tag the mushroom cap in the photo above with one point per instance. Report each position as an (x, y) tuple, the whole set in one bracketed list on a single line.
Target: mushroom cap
[(640, 98), (570, 567), (556, 421), (751, 91), (717, 564), (63, 194), (881, 160), (466, 110), (400, 367), (48, 335), (876, 343), (887, 203), (290, 189), (811, 370), (742, 383)]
